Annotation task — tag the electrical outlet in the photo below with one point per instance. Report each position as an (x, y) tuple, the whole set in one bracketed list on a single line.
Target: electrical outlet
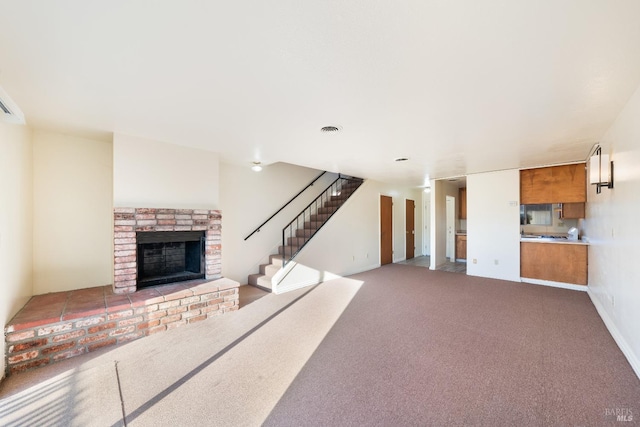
[(495, 261), (475, 261), (613, 301)]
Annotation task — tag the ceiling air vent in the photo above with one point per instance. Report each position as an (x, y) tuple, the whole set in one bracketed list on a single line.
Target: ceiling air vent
[(330, 129), (9, 111)]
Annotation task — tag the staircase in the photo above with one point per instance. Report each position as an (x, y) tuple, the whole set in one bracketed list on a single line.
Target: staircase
[(302, 228)]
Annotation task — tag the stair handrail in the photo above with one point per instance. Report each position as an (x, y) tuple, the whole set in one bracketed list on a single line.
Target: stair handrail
[(286, 258), (285, 205)]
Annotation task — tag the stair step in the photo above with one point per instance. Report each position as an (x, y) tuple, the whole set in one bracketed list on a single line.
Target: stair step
[(276, 260), (264, 282), (332, 203), (253, 279), (269, 269), (296, 241), (319, 217), (287, 251), (325, 210), (305, 232), (313, 225), (350, 186)]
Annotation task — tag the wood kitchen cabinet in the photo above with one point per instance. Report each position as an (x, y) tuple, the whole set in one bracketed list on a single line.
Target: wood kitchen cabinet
[(569, 184), (557, 262), (462, 203), (573, 210), (461, 246), (554, 184), (535, 186)]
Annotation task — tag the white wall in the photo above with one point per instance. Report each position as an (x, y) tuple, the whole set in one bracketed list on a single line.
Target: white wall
[(612, 229), (493, 225), (426, 223), (247, 199), (152, 174), (16, 223), (350, 242), (72, 212)]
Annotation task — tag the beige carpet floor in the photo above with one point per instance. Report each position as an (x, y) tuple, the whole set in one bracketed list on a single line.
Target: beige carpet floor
[(399, 345)]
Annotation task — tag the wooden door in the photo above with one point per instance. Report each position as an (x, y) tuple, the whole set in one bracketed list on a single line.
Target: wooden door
[(386, 227), (410, 209)]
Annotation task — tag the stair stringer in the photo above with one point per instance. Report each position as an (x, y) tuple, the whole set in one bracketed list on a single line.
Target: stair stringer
[(295, 275)]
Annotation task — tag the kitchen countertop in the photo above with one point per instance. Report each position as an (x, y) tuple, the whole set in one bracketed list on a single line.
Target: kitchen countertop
[(553, 241)]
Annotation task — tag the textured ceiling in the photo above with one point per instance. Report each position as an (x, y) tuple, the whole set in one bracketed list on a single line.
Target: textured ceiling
[(458, 87)]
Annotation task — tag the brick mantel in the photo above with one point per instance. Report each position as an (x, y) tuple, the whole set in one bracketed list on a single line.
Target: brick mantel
[(129, 221)]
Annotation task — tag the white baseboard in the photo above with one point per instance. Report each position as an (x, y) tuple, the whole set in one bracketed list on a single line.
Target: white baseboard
[(553, 284), (615, 333), (363, 269)]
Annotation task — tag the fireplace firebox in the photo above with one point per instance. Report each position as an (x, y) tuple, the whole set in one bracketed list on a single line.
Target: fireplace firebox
[(168, 257), (182, 244)]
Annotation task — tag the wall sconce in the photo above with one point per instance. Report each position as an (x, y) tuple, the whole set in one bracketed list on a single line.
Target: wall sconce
[(600, 170)]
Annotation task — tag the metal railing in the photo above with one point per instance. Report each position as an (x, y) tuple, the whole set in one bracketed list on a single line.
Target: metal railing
[(285, 205), (303, 227)]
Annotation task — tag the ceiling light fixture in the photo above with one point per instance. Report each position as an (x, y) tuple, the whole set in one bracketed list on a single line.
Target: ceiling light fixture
[(401, 159), (257, 167)]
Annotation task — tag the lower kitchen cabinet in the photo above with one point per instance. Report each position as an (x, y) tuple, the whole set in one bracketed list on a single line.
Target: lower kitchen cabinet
[(557, 262), (461, 246)]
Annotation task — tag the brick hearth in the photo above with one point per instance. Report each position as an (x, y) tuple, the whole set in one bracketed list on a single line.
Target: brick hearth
[(57, 326), (129, 221)]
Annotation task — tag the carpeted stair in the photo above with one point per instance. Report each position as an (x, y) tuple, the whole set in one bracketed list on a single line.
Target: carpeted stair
[(307, 229)]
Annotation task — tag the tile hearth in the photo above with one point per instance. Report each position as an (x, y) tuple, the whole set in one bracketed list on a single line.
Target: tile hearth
[(61, 325)]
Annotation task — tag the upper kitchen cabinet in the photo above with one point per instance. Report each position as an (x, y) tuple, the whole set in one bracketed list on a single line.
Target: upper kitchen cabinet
[(569, 184), (462, 193), (555, 184), (535, 186)]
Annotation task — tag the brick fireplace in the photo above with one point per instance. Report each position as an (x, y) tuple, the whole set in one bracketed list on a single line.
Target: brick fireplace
[(135, 225), (56, 326)]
